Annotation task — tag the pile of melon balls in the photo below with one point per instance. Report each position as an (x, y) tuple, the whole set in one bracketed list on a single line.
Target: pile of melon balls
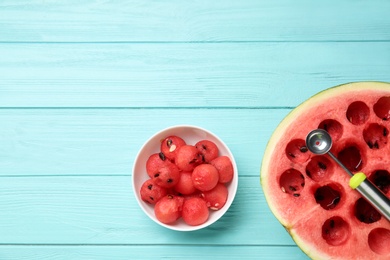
[(186, 181)]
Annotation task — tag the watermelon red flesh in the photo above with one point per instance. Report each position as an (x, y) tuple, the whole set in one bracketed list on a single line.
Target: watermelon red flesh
[(310, 195)]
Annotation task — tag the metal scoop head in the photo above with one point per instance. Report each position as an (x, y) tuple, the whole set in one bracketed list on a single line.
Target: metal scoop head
[(318, 141)]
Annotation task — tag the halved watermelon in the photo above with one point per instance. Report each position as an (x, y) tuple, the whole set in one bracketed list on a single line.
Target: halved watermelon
[(310, 194)]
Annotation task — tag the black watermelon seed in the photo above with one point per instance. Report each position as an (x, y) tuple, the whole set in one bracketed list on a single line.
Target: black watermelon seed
[(326, 127), (322, 165), (162, 156), (303, 149), (193, 160), (292, 155), (331, 223), (292, 188)]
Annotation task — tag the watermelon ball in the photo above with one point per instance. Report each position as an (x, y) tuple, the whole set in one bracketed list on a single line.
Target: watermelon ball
[(216, 198), (195, 211), (224, 166), (195, 194), (170, 145), (167, 176), (207, 149), (151, 193), (205, 177), (185, 185), (168, 209), (155, 162), (187, 158)]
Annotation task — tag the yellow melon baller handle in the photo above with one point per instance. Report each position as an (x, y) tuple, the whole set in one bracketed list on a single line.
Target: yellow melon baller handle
[(368, 190)]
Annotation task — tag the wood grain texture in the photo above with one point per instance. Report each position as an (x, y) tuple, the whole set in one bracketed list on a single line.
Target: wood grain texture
[(175, 20), (86, 210), (106, 141), (83, 84), (182, 75), (126, 252)]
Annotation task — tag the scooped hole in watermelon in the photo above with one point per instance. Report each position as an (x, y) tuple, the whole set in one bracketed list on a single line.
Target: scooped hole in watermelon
[(379, 241), (333, 127), (375, 136), (382, 108), (329, 196), (292, 182), (335, 231), (358, 113), (297, 151), (366, 213), (381, 178), (351, 157), (319, 168)]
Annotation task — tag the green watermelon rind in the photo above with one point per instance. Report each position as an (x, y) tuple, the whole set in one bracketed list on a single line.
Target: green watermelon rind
[(280, 130)]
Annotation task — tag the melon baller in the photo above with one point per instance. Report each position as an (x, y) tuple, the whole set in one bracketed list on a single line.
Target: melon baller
[(319, 142)]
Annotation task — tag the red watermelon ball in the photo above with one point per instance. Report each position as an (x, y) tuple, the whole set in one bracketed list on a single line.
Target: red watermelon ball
[(187, 158), (167, 176), (195, 211), (185, 185), (224, 166), (205, 177), (217, 197), (170, 145), (168, 209), (208, 150), (151, 193), (155, 162)]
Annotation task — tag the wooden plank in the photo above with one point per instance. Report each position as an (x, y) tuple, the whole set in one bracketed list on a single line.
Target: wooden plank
[(106, 141), (86, 210), (150, 252), (182, 75), (175, 20)]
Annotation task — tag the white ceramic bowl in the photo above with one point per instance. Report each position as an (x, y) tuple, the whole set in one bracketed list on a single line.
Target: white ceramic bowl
[(191, 135)]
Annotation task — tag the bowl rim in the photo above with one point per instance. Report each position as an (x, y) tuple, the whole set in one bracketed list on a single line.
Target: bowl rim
[(232, 186)]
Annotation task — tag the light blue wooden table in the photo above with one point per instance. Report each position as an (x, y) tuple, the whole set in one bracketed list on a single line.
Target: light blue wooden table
[(83, 84)]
